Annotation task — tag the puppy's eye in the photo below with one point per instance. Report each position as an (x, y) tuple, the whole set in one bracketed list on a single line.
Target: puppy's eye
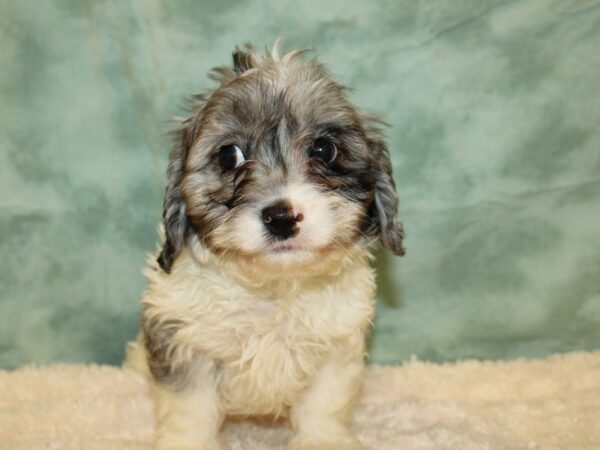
[(230, 157), (323, 149)]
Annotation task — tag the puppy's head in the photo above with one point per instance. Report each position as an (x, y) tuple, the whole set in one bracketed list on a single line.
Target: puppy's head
[(275, 164)]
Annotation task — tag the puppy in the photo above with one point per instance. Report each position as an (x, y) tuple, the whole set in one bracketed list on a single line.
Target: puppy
[(262, 295)]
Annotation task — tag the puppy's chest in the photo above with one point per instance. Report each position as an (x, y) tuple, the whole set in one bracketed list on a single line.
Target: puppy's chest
[(243, 329), (268, 349)]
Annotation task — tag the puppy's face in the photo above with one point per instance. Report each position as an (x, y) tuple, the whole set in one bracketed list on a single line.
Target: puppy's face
[(276, 164)]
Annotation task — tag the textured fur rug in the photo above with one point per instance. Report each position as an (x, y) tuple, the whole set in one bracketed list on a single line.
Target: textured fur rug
[(525, 404)]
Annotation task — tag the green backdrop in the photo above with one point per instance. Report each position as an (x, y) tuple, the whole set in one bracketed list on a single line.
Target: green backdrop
[(495, 137)]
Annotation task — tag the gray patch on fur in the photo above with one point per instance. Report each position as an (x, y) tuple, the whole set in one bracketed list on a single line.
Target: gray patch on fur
[(158, 337)]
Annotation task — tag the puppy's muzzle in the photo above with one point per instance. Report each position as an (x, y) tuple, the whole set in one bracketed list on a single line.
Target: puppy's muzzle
[(280, 220)]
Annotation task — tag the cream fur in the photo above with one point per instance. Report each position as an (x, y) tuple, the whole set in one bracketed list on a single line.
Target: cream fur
[(260, 342)]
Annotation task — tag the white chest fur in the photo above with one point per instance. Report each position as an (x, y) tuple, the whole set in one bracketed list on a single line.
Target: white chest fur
[(268, 340)]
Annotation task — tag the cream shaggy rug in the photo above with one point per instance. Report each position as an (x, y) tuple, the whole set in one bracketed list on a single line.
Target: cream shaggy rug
[(524, 404)]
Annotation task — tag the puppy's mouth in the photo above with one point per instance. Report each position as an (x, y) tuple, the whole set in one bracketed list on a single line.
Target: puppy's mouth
[(285, 247)]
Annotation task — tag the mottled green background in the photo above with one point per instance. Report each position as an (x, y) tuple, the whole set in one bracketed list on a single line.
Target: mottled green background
[(495, 113)]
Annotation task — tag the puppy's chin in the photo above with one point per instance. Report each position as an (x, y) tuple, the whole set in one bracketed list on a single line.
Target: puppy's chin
[(287, 258), (293, 262), (298, 256), (280, 261)]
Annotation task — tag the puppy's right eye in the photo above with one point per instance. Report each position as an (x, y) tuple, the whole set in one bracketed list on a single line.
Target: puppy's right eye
[(324, 149), (230, 157)]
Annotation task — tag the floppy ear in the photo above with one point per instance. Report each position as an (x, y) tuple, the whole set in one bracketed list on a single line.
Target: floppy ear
[(175, 221), (385, 203)]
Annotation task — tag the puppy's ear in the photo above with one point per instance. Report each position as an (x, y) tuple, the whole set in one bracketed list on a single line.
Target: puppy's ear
[(385, 202), (175, 221)]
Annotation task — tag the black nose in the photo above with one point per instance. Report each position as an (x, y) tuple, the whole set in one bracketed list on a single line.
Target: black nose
[(279, 219)]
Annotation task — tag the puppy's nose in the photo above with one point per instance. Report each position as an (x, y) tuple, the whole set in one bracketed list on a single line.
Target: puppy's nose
[(280, 220)]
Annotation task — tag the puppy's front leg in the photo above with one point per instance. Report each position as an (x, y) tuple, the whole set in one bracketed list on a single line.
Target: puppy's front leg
[(188, 419), (321, 419), (188, 411)]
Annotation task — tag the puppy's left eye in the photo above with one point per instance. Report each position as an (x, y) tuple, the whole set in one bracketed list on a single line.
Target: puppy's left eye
[(324, 149), (230, 157)]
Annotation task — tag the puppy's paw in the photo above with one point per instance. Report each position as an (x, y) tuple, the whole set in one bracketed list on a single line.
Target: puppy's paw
[(300, 442)]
